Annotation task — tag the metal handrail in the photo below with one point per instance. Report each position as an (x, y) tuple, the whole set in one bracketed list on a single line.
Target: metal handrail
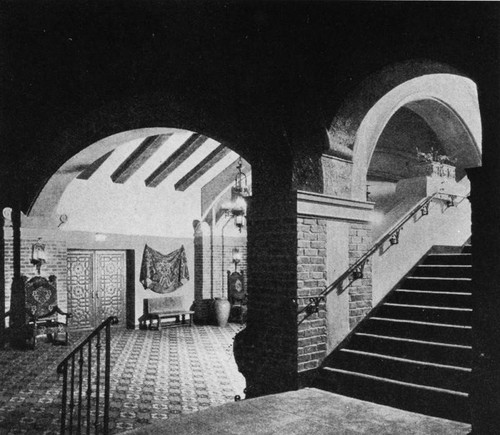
[(356, 270), (76, 356)]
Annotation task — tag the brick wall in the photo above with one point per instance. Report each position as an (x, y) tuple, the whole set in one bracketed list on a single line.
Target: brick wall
[(212, 262), (360, 293), (311, 280), (56, 261)]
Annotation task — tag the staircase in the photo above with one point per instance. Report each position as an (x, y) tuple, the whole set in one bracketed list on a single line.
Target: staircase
[(413, 351)]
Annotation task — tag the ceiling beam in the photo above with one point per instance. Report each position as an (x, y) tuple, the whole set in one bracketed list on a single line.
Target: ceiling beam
[(201, 168), (94, 166), (138, 157), (175, 159)]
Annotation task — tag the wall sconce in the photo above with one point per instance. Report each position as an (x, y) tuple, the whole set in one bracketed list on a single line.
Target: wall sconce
[(236, 258), (38, 255)]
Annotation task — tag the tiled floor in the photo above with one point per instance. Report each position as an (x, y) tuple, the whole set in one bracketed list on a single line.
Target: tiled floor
[(155, 375)]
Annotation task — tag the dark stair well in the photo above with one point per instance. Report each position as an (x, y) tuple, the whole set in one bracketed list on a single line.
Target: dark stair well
[(413, 351)]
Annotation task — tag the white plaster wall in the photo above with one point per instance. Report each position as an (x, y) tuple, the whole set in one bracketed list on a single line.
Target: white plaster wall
[(442, 226)]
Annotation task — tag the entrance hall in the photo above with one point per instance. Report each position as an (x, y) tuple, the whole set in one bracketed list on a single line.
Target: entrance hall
[(155, 376), (312, 171)]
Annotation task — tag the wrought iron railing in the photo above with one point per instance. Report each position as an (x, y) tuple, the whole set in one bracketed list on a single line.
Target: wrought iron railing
[(355, 271), (72, 421)]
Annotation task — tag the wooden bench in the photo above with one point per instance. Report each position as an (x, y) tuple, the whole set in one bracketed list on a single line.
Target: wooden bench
[(156, 309)]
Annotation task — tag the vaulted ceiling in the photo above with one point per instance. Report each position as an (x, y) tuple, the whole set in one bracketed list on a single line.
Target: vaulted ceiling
[(156, 184)]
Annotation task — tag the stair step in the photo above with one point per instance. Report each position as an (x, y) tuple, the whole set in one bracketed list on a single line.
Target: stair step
[(409, 360), (448, 259), (398, 328), (393, 381), (423, 313), (438, 402), (467, 249), (433, 298), (433, 352), (414, 352), (409, 340), (437, 283), (442, 270), (405, 370)]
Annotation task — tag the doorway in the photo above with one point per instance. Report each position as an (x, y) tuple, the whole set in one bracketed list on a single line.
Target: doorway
[(96, 287)]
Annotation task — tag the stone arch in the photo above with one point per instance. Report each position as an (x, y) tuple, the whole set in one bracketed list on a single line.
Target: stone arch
[(433, 91), (151, 111)]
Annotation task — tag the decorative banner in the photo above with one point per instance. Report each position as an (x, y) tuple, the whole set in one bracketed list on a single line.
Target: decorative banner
[(163, 273)]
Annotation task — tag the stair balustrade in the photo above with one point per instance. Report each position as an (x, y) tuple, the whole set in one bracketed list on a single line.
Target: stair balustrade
[(355, 271), (75, 375)]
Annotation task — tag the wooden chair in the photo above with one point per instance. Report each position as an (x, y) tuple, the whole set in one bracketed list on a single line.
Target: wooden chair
[(237, 297), (44, 317)]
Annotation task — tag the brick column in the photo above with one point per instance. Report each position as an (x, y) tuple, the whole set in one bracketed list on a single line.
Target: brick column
[(311, 280)]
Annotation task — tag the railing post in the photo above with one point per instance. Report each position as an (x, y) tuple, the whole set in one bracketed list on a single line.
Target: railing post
[(72, 398), (64, 397), (89, 385), (97, 383), (80, 387), (107, 378)]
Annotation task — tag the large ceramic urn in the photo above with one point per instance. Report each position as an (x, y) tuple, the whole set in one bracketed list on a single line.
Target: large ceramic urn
[(222, 308)]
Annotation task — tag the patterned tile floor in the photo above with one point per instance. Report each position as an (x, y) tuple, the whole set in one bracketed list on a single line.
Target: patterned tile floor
[(154, 375)]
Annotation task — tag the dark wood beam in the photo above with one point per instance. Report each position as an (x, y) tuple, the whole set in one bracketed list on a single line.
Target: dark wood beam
[(138, 157), (175, 159), (90, 170), (201, 168)]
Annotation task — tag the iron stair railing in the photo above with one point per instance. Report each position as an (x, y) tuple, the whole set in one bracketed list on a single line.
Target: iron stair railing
[(75, 362), (355, 271)]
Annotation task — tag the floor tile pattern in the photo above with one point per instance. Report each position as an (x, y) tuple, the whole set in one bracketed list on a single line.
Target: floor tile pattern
[(155, 375)]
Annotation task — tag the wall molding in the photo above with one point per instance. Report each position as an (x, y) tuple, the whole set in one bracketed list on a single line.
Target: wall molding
[(318, 205)]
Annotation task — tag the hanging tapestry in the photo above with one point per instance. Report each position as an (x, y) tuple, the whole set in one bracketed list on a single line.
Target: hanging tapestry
[(163, 273)]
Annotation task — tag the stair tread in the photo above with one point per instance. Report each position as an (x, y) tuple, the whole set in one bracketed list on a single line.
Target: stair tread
[(412, 340), (434, 292), (439, 278), (393, 304), (449, 254), (418, 322), (394, 381), (407, 360), (445, 265)]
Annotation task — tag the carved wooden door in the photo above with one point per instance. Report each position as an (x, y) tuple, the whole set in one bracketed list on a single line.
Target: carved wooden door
[(81, 289), (110, 285), (96, 287)]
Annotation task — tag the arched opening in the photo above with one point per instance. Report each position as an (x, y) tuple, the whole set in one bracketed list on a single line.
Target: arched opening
[(419, 130), (167, 189), (398, 155), (447, 108)]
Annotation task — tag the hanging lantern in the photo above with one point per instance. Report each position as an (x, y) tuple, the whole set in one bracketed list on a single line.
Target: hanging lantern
[(237, 207)]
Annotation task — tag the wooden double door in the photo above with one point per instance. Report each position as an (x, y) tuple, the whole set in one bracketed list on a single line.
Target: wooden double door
[(96, 287)]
